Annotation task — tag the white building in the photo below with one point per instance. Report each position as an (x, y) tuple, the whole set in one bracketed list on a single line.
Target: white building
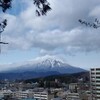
[(43, 95), (95, 83), (24, 94), (17, 94), (73, 87), (73, 96)]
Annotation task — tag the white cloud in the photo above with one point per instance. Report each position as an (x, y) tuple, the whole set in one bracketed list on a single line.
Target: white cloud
[(58, 32), (95, 12)]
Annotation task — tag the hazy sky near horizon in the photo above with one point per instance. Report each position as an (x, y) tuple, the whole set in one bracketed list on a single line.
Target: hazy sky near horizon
[(57, 34)]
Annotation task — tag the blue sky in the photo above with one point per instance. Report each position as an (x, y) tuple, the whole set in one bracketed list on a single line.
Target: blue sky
[(57, 34)]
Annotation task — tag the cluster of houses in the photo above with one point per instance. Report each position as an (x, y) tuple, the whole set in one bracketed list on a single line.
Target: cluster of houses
[(31, 91)]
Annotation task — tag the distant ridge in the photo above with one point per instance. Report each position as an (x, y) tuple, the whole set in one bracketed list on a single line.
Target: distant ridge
[(64, 78)]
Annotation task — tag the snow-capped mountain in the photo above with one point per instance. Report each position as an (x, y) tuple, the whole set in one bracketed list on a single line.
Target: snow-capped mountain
[(42, 66)]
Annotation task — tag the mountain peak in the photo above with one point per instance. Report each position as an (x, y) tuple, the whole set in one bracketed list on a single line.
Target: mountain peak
[(50, 61), (48, 57)]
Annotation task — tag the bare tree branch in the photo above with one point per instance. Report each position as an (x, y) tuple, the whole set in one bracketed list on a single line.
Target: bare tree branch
[(95, 24), (42, 6)]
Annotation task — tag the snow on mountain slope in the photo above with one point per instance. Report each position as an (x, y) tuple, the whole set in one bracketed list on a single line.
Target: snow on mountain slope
[(44, 64)]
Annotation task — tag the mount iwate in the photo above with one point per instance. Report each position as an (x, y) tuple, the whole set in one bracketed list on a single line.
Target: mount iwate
[(40, 67)]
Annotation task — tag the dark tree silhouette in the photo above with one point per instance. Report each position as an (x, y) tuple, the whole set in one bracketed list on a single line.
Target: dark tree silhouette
[(42, 6), (3, 25), (5, 4), (95, 24)]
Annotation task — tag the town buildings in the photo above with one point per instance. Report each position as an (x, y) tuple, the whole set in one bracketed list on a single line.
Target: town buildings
[(20, 90)]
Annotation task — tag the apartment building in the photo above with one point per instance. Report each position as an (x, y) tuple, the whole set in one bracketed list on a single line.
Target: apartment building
[(73, 96), (95, 83), (43, 95), (17, 94), (24, 94)]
